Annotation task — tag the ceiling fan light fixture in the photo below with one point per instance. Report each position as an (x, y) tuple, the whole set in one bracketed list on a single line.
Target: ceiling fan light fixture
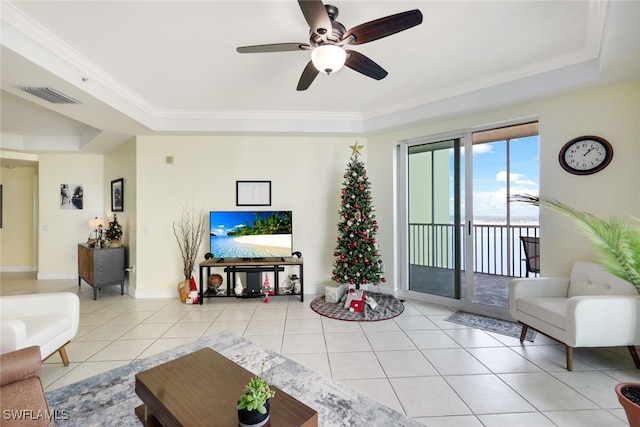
[(328, 58)]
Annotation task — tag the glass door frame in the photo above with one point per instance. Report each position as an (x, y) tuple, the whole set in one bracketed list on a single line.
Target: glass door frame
[(466, 152)]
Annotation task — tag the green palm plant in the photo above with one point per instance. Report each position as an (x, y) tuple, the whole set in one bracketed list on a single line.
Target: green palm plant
[(617, 242)]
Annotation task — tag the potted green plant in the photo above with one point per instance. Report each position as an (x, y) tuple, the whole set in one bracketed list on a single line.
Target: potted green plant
[(619, 246), (253, 405)]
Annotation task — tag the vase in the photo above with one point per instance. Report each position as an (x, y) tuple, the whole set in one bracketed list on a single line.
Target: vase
[(116, 243), (184, 288), (630, 408), (253, 418)]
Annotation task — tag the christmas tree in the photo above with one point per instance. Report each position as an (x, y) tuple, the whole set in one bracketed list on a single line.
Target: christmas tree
[(357, 257)]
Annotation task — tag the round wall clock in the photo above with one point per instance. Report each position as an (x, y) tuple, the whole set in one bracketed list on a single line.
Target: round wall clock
[(585, 155)]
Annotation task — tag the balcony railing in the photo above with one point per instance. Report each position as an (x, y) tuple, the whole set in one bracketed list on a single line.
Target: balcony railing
[(496, 248)]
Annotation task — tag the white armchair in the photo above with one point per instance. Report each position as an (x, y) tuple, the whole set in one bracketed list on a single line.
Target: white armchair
[(592, 308), (47, 320)]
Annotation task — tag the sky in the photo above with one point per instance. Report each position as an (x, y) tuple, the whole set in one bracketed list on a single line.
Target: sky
[(490, 177), (221, 223)]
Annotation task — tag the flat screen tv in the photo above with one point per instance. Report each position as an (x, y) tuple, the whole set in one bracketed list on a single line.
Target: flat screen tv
[(250, 234)]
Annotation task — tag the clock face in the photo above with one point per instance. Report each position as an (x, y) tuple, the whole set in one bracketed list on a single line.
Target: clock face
[(585, 155)]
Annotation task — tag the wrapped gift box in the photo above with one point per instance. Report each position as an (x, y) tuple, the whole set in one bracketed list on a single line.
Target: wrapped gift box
[(357, 306), (335, 292)]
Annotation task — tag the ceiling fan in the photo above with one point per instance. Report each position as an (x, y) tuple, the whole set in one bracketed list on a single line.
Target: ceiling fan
[(328, 38)]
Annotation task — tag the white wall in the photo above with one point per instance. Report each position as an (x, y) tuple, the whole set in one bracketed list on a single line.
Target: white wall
[(612, 113), (305, 174), (60, 230)]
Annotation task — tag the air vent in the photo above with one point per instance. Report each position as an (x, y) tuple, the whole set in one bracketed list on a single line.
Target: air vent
[(50, 94)]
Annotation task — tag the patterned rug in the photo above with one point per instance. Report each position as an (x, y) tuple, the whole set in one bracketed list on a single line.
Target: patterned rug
[(109, 399), (389, 307), (491, 324)]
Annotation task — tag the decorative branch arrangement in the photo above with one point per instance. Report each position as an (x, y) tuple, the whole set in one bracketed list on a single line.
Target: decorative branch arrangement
[(189, 232)]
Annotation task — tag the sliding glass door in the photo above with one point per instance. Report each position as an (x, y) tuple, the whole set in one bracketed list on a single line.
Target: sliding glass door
[(462, 239), (435, 245)]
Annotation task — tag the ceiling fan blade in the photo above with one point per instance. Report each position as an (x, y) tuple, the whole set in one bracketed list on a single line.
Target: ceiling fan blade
[(308, 76), (383, 27), (316, 15), (362, 64), (277, 47)]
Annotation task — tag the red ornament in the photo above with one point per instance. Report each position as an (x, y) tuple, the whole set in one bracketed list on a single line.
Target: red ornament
[(361, 188), (373, 240), (363, 280), (383, 280), (337, 280), (354, 244), (341, 257)]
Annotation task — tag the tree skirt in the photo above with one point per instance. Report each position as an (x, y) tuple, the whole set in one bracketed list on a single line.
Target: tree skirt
[(491, 324), (389, 307)]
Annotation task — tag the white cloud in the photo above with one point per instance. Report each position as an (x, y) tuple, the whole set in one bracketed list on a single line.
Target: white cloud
[(482, 148), (515, 179)]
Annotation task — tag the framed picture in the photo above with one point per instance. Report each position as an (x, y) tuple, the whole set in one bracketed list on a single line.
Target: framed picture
[(71, 196), (117, 195), (253, 193)]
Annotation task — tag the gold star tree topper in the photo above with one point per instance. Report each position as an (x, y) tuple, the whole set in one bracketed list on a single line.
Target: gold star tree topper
[(356, 149)]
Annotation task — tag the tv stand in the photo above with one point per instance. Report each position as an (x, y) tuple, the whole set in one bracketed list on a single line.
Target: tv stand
[(253, 268)]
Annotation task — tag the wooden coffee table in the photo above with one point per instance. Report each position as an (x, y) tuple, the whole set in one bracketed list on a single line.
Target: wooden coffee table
[(202, 389)]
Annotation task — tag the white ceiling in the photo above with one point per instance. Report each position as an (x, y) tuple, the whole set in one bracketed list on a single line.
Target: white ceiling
[(141, 67)]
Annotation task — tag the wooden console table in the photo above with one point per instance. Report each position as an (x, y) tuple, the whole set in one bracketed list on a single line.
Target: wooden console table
[(101, 267), (251, 267)]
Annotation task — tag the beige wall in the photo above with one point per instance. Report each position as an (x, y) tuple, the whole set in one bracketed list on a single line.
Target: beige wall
[(305, 174), (19, 230), (60, 230), (612, 113)]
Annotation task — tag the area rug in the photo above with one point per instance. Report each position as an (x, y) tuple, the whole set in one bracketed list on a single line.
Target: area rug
[(109, 399), (389, 307), (491, 324)]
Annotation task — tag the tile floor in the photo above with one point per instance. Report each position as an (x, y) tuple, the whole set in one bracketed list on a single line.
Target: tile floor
[(438, 372)]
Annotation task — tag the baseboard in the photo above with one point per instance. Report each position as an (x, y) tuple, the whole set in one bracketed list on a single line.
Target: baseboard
[(155, 293), (56, 276), (18, 269)]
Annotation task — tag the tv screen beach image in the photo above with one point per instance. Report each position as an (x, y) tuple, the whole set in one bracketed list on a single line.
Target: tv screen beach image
[(250, 234)]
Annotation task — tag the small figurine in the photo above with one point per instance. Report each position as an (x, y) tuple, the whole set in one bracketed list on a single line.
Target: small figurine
[(239, 288)]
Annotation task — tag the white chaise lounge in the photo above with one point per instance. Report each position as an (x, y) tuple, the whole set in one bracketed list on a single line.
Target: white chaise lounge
[(592, 308), (47, 320)]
